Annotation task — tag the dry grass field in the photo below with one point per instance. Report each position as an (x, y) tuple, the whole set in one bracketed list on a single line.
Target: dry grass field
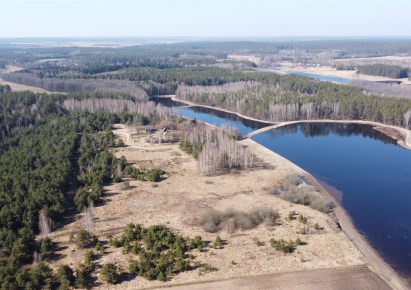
[(178, 201)]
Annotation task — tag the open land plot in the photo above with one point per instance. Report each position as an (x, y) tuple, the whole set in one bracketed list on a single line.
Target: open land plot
[(178, 201)]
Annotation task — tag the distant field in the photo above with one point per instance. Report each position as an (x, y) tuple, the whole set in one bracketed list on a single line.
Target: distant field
[(348, 74), (18, 87)]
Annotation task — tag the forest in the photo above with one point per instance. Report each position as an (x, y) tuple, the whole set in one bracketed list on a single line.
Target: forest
[(54, 148), (288, 98), (54, 160), (384, 70)]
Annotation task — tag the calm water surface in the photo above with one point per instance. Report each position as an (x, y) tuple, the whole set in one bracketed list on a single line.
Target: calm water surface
[(319, 77), (370, 169), (211, 116)]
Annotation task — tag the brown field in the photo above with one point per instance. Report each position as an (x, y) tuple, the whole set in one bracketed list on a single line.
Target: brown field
[(178, 201), (15, 87), (330, 71)]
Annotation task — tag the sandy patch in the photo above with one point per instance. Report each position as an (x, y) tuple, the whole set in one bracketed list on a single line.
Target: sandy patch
[(178, 200), (15, 87), (347, 74), (252, 58)]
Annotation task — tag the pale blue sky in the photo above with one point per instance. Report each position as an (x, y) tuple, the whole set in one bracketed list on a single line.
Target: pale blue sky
[(205, 18)]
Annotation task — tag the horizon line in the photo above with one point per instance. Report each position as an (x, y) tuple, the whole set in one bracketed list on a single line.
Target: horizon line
[(206, 37)]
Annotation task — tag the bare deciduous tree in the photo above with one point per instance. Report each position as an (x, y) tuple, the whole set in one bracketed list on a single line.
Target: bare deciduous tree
[(88, 217), (220, 150), (45, 224), (407, 118)]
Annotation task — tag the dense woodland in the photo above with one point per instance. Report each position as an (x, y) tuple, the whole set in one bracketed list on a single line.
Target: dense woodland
[(202, 73), (54, 157), (390, 71), (53, 162), (282, 98)]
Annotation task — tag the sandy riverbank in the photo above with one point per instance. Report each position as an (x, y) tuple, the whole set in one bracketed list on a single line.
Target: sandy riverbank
[(402, 135), (347, 74), (185, 193), (372, 258), (174, 98)]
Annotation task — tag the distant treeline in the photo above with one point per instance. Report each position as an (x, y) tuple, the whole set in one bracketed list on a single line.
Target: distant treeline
[(257, 94), (76, 85), (384, 70), (285, 98)]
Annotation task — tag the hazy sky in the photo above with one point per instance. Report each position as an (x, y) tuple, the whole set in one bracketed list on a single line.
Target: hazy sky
[(66, 18)]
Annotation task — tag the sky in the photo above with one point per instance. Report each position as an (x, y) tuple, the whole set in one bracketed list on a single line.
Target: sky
[(204, 18)]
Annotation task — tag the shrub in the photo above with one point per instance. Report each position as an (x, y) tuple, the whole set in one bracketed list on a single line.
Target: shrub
[(38, 277), (206, 268), (83, 276), (99, 247), (298, 242), (161, 252), (258, 242), (214, 221), (296, 190), (286, 247), (110, 273), (154, 175), (65, 277), (85, 239), (282, 246), (291, 215), (218, 243), (120, 143), (302, 219), (88, 259), (133, 267), (46, 248)]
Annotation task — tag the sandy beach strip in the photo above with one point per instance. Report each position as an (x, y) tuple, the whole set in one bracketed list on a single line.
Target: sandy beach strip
[(390, 130), (372, 258)]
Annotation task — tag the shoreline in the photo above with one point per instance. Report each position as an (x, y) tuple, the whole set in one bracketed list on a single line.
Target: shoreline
[(174, 98), (372, 258), (330, 71), (406, 143)]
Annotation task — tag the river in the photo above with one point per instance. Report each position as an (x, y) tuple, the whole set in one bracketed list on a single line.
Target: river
[(370, 172), (319, 77)]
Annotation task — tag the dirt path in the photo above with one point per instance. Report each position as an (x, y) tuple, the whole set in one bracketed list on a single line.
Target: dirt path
[(357, 277)]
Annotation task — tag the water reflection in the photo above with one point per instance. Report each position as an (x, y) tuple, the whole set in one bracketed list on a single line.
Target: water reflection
[(212, 116), (166, 102), (366, 165), (232, 117), (340, 129)]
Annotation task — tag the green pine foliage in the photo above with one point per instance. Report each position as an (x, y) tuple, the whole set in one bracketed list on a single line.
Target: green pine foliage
[(110, 273), (152, 175), (161, 253), (384, 70)]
